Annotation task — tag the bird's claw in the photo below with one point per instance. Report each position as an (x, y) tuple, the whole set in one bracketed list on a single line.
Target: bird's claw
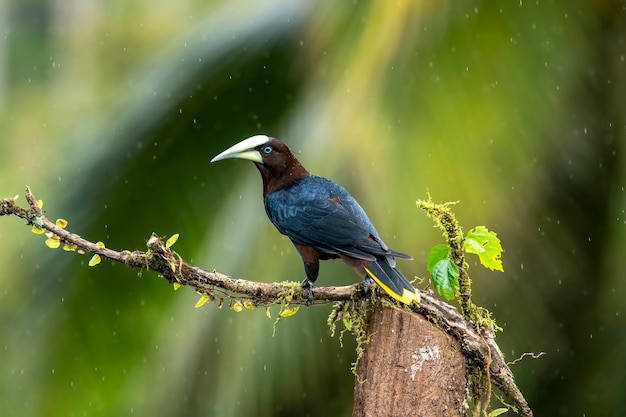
[(307, 286), (366, 285)]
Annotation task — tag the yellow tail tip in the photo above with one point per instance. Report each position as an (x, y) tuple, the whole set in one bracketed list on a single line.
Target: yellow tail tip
[(407, 297)]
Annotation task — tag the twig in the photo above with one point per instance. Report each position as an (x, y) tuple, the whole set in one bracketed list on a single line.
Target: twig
[(480, 349)]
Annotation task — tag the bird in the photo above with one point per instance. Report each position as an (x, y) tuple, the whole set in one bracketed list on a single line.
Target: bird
[(321, 218)]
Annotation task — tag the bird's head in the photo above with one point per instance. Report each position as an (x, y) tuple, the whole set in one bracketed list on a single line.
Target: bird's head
[(277, 164)]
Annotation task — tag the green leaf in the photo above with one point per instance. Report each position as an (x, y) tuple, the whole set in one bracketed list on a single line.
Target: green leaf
[(486, 245), (95, 260), (436, 254), (498, 411), (445, 276), (203, 300), (171, 240), (289, 312)]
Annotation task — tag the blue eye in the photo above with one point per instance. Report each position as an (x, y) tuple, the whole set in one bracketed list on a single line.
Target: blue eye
[(267, 150)]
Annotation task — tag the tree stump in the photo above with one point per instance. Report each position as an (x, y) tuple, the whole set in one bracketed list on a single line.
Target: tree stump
[(409, 368)]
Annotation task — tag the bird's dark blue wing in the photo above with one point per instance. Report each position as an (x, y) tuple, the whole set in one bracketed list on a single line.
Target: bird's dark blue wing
[(317, 212)]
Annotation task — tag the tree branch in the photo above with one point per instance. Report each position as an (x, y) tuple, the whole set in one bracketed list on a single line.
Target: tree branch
[(480, 349)]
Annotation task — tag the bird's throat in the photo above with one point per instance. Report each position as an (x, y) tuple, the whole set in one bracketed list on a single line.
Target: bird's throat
[(277, 178)]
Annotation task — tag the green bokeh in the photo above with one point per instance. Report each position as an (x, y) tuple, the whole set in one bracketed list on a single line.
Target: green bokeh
[(111, 112)]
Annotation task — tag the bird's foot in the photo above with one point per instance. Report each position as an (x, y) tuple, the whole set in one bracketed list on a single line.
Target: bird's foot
[(366, 285), (307, 286)]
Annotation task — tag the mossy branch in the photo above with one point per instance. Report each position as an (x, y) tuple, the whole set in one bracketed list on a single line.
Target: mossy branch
[(479, 348), (453, 234), (479, 317)]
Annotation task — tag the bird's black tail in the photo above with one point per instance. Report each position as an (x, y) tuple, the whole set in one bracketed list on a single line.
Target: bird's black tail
[(392, 281)]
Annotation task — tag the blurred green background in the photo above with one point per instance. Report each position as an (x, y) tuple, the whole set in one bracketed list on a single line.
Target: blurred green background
[(111, 111)]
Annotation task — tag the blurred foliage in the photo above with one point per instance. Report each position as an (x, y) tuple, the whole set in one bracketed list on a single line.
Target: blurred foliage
[(112, 110)]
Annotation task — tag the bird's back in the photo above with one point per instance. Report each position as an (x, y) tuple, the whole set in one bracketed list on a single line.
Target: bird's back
[(318, 212)]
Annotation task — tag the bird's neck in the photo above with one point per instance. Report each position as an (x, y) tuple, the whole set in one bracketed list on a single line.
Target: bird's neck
[(277, 179)]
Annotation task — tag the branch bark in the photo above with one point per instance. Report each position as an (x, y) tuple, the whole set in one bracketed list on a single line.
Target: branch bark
[(480, 349)]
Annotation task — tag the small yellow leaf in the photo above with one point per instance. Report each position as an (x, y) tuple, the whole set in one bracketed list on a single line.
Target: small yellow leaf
[(70, 247), (172, 266), (53, 242), (40, 203), (267, 313), (61, 223), (248, 304), (237, 306), (202, 301), (95, 260), (497, 412), (38, 230), (289, 312), (171, 240), (99, 243), (177, 285)]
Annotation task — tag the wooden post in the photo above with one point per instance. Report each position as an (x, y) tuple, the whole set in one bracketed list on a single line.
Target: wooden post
[(409, 368)]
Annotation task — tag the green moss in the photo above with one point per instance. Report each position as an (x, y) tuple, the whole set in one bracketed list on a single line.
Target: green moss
[(292, 289), (353, 315)]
